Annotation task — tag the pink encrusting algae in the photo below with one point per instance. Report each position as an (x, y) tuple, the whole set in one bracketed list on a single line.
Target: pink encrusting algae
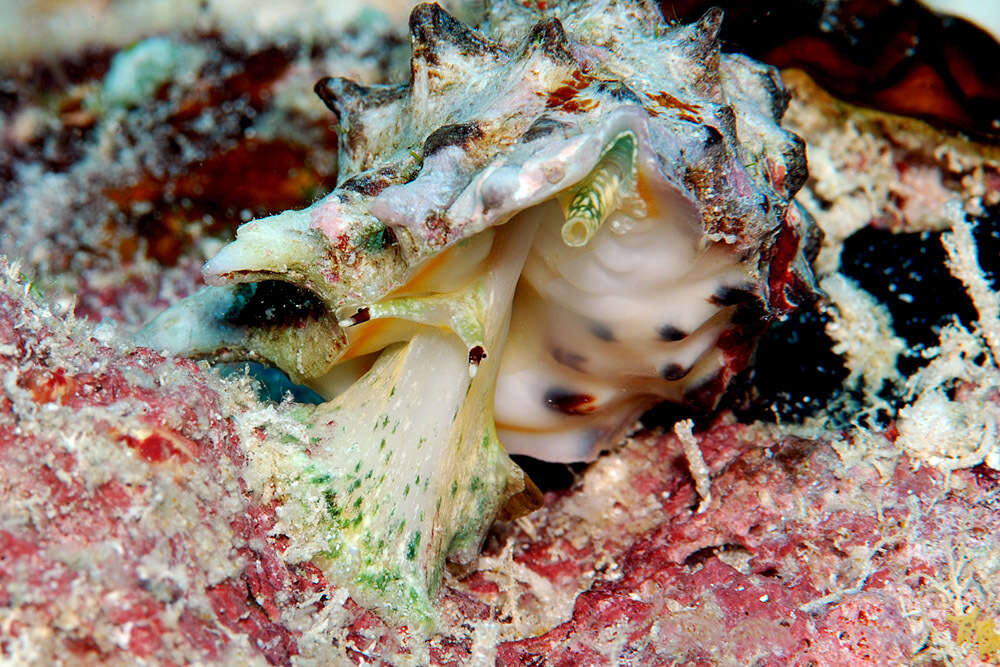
[(150, 511), (129, 534)]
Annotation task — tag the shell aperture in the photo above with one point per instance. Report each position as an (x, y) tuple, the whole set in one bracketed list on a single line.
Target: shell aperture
[(535, 238)]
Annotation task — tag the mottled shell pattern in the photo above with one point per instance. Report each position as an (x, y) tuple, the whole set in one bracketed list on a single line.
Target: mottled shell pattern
[(692, 245), (567, 214), (693, 248)]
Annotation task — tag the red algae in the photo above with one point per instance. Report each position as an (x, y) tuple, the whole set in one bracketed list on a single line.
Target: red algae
[(128, 530), (799, 557)]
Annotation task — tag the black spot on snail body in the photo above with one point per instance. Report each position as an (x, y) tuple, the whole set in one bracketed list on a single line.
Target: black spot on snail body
[(459, 134), (272, 303), (363, 315), (565, 357), (750, 310), (602, 331), (670, 333), (568, 402), (732, 296), (673, 372)]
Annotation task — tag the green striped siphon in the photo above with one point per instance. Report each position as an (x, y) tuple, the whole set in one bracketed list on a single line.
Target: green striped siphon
[(599, 194)]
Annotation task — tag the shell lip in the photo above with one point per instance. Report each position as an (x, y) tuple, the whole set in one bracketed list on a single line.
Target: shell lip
[(507, 185)]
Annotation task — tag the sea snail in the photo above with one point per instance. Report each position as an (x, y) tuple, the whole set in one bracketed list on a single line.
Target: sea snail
[(566, 214)]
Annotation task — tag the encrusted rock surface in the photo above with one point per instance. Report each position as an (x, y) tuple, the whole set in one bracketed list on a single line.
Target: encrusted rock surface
[(128, 532)]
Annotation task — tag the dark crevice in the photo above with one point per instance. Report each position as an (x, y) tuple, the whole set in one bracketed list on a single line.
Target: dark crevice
[(795, 375), (702, 556), (665, 415), (907, 273), (549, 476), (273, 303)]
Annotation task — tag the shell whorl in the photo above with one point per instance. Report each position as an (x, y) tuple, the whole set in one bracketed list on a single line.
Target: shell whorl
[(558, 73)]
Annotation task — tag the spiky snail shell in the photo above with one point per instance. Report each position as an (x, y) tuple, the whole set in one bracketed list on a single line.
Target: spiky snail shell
[(586, 232)]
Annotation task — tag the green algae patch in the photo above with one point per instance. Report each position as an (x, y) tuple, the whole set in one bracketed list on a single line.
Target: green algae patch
[(402, 470), (384, 528)]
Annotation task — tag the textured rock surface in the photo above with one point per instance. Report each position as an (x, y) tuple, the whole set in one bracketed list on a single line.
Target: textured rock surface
[(127, 531)]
